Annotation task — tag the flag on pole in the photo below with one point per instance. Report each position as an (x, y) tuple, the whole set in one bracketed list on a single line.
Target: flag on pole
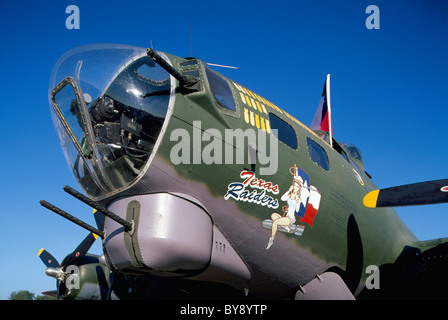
[(322, 118)]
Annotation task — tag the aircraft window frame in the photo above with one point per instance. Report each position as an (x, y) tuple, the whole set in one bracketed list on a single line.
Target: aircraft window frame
[(318, 154), (284, 133), (216, 83), (190, 68), (353, 151), (345, 156), (338, 147), (84, 146)]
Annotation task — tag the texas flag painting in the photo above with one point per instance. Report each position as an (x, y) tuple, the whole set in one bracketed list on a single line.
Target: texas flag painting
[(312, 206), (322, 119), (309, 197)]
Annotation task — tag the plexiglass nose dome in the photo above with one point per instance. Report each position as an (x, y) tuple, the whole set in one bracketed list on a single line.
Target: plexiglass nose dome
[(109, 105)]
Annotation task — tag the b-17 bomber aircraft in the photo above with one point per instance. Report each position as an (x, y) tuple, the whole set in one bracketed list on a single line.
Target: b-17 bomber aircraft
[(201, 188)]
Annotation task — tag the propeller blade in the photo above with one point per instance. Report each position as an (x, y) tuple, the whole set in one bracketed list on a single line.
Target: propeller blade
[(81, 249), (430, 192), (99, 219), (48, 259)]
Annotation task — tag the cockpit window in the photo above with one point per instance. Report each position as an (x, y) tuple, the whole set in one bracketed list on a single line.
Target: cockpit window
[(352, 150), (356, 158), (220, 90)]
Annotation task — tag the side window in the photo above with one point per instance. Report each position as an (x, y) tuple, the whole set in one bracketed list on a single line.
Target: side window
[(285, 132), (318, 154), (190, 68), (220, 90)]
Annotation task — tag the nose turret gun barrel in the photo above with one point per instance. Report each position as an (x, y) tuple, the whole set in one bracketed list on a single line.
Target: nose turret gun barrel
[(73, 219), (128, 226)]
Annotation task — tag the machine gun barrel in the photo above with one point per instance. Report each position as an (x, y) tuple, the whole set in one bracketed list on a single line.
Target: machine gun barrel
[(128, 226), (73, 219), (176, 74)]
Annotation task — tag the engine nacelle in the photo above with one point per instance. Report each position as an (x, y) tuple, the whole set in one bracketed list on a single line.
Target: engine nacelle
[(88, 279)]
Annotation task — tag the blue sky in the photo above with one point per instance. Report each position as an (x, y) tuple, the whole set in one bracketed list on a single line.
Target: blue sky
[(388, 91)]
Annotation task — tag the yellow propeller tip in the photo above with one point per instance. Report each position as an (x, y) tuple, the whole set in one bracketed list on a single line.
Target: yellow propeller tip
[(40, 252), (371, 199)]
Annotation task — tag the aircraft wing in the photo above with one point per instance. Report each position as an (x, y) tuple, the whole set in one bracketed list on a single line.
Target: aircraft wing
[(51, 294), (429, 192)]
